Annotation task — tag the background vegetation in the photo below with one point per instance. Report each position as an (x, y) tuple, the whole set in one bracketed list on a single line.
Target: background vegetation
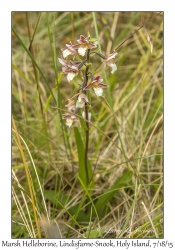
[(50, 198)]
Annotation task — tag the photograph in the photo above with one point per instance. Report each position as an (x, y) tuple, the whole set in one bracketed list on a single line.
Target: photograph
[(87, 125)]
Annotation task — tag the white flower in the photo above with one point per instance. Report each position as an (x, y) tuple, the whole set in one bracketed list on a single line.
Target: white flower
[(70, 76), (108, 61), (69, 122), (70, 50), (80, 104), (113, 66), (69, 119), (70, 69), (85, 42), (82, 51), (82, 99), (97, 85), (66, 52), (98, 91)]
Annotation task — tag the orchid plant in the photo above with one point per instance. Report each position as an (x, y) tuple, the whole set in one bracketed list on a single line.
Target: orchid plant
[(85, 46)]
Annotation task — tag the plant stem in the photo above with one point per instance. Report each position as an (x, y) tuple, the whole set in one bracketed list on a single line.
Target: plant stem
[(86, 117), (87, 143)]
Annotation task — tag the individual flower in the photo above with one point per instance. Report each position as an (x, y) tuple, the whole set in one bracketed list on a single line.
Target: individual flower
[(69, 119), (109, 61), (70, 50), (97, 85), (84, 44), (82, 99), (70, 69)]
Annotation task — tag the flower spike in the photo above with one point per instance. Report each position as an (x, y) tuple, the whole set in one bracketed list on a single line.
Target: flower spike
[(72, 68)]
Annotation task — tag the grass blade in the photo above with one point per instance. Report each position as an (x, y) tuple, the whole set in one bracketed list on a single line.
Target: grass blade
[(81, 155)]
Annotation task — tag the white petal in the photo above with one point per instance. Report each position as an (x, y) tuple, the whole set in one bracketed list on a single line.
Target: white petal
[(82, 51), (113, 66), (70, 76), (66, 52), (83, 97), (79, 98), (98, 91), (69, 122), (80, 104), (62, 61)]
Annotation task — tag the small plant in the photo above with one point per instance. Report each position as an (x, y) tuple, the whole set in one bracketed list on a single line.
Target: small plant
[(86, 46)]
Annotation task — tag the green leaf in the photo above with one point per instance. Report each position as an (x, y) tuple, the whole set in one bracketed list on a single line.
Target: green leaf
[(52, 196), (121, 182), (83, 124), (81, 155)]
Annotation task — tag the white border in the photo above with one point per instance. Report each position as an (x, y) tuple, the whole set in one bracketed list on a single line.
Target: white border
[(5, 93)]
